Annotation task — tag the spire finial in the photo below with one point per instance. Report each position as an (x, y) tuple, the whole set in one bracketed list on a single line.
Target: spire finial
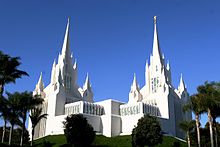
[(182, 86), (135, 85), (66, 48), (40, 83), (155, 19), (68, 19), (87, 82)]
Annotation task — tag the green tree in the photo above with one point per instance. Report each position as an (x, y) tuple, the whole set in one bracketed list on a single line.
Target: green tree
[(215, 113), (9, 72), (4, 114), (215, 110), (16, 136), (27, 102), (205, 139), (210, 96), (147, 132), (13, 113), (195, 105), (187, 127), (35, 116), (78, 131)]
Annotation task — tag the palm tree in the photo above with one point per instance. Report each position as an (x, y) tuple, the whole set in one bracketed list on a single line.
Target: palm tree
[(36, 116), (27, 102), (13, 105), (210, 96), (187, 126), (215, 111), (195, 105), (9, 72), (4, 114)]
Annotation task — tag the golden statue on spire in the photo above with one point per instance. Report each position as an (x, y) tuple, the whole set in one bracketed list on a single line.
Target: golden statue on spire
[(155, 19)]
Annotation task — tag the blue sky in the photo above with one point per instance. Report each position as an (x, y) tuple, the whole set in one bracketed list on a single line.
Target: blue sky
[(112, 39)]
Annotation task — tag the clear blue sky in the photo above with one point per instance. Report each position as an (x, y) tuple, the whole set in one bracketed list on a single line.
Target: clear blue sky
[(112, 39)]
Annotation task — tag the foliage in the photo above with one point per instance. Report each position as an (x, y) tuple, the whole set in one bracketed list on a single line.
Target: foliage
[(35, 116), (78, 131), (9, 71), (187, 127), (147, 132), (205, 139), (16, 135), (210, 94), (13, 113), (27, 102)]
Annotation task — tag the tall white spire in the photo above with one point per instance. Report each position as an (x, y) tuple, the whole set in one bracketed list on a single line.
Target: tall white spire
[(134, 84), (168, 65), (75, 64), (156, 47), (87, 84), (135, 95), (66, 47), (182, 86), (53, 72), (87, 90), (146, 73), (40, 84)]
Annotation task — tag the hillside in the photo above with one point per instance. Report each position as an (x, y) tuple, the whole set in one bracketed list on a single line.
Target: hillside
[(102, 141)]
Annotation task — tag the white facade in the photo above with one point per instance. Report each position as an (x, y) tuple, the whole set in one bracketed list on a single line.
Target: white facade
[(157, 97)]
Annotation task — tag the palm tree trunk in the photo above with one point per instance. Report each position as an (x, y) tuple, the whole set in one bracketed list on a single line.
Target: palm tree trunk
[(216, 137), (188, 138), (10, 135), (32, 138), (198, 131), (23, 129), (3, 132), (1, 89), (210, 127)]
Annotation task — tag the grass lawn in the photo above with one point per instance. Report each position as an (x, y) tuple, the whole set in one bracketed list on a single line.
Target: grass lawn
[(102, 141)]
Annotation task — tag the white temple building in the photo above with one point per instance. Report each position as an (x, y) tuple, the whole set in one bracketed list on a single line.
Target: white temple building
[(158, 97)]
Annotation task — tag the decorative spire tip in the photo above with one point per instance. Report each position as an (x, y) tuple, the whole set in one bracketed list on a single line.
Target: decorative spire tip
[(155, 19)]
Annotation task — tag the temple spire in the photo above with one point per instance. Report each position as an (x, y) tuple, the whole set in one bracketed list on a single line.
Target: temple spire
[(87, 90), (53, 72), (156, 47), (135, 95), (146, 73), (40, 84), (66, 48), (87, 84), (134, 84), (168, 65), (182, 86)]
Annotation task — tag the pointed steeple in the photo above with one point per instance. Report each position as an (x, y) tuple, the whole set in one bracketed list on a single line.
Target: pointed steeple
[(75, 64), (168, 65), (135, 95), (156, 47), (146, 73), (182, 86), (40, 84), (87, 90), (87, 84), (66, 48), (134, 84), (53, 72)]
